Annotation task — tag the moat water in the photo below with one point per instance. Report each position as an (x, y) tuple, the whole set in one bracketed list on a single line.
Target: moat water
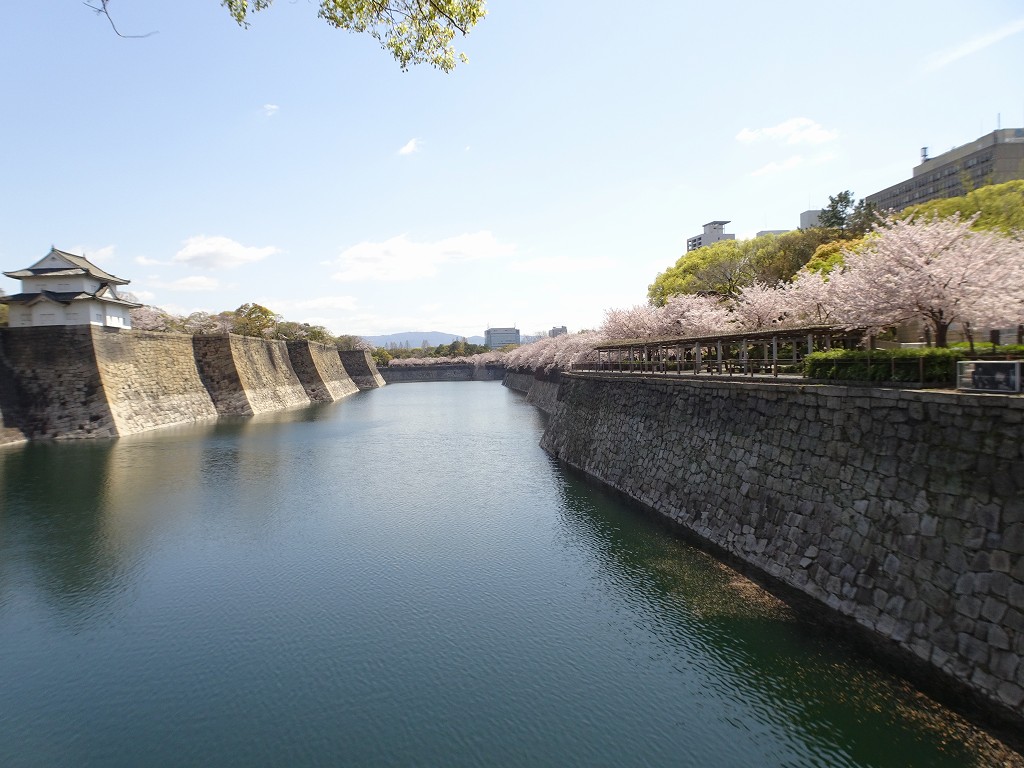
[(403, 579)]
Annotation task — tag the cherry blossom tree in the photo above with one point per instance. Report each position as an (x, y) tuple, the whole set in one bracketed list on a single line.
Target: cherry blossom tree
[(148, 318), (639, 322), (694, 315), (938, 271), (807, 299), (758, 307), (576, 348)]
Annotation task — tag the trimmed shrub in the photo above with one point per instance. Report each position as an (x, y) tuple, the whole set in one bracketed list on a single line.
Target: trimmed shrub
[(927, 366)]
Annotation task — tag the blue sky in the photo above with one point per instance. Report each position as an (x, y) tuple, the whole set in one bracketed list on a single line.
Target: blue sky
[(550, 178)]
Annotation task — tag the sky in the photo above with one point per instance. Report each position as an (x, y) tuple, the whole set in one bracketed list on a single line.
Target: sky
[(550, 178)]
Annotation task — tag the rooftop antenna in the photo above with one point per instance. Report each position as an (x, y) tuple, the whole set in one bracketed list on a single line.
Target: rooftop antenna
[(999, 120)]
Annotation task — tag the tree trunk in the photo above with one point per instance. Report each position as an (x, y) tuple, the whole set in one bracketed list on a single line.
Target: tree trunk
[(941, 332)]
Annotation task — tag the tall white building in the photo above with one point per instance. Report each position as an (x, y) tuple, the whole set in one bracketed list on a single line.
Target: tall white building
[(713, 232), (495, 338), (65, 289), (810, 218)]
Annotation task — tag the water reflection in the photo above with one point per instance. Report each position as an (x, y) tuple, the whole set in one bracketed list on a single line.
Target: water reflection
[(789, 670), (402, 578)]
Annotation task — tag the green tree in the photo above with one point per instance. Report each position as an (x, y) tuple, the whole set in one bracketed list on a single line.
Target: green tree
[(999, 207), (777, 258), (728, 266), (318, 333), (255, 320), (348, 343), (381, 357), (3, 310), (862, 219), (836, 214), (723, 268), (831, 255), (413, 31)]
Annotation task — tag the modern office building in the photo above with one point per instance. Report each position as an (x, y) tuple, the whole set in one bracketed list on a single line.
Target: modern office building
[(713, 232), (558, 330), (499, 337), (992, 159), (810, 218)]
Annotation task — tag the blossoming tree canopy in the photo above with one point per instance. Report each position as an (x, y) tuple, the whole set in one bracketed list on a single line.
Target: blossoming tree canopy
[(938, 271), (413, 31)]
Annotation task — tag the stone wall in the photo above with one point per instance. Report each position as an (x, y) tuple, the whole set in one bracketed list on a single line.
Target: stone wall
[(540, 390), (245, 375), (10, 424), (361, 368), (266, 374), (68, 382), (320, 371), (55, 383), (151, 379), (902, 511), (462, 372), (217, 369)]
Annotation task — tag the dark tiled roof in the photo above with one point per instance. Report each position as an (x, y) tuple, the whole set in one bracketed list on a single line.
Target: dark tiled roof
[(23, 273), (64, 298), (83, 266)]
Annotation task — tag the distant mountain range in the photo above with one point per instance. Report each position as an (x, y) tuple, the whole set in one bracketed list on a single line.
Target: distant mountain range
[(416, 339)]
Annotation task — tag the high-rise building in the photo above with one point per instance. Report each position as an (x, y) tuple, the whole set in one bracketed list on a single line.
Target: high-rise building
[(499, 337), (558, 330), (713, 232), (992, 159), (810, 218)]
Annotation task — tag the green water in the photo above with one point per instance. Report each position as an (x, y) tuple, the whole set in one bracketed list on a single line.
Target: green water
[(403, 579)]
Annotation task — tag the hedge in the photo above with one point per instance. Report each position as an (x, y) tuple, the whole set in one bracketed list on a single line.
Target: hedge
[(927, 365)]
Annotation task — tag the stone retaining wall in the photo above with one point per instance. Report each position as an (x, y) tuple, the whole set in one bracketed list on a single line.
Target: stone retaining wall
[(68, 382), (266, 374), (10, 426), (900, 510), (56, 383), (361, 368), (219, 374), (320, 371), (151, 379), (540, 391)]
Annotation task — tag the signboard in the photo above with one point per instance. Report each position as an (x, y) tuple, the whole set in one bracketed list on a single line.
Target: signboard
[(989, 375)]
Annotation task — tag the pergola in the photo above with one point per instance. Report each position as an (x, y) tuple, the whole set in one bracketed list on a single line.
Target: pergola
[(747, 353)]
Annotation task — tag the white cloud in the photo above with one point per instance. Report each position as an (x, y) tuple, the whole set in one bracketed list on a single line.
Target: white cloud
[(400, 259), (193, 283), (216, 252), (774, 167), (270, 110), (940, 60), (413, 145), (796, 130)]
